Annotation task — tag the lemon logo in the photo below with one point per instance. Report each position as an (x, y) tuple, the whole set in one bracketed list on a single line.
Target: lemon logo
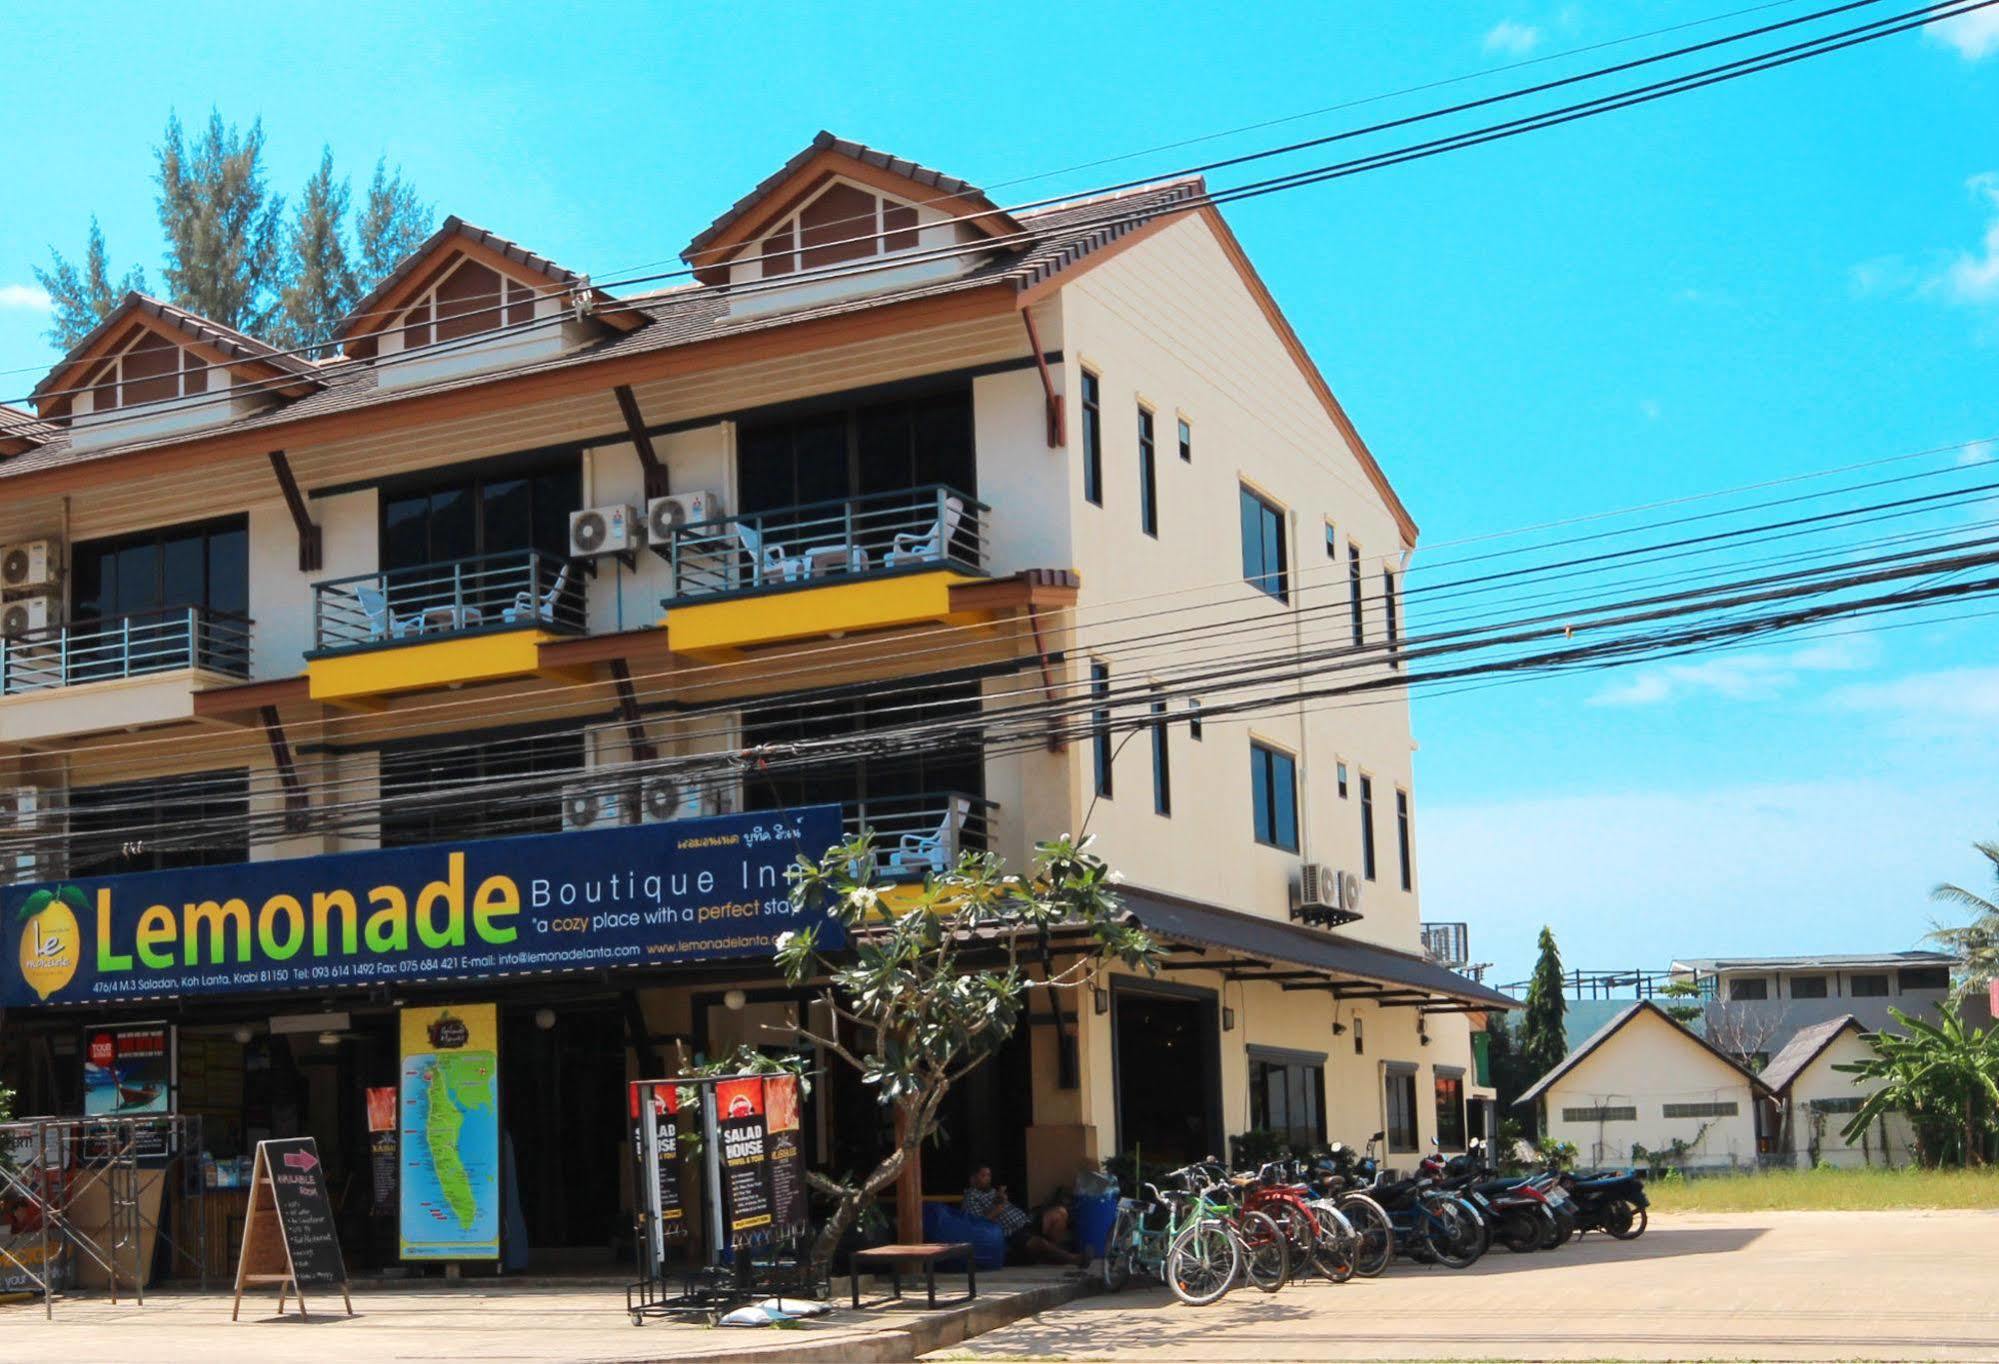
[(51, 939)]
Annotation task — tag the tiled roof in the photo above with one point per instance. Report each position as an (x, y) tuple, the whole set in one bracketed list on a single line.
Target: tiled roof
[(1615, 1026), (1821, 962), (682, 317), (232, 343), (453, 227), (1803, 1049), (24, 428), (825, 141)]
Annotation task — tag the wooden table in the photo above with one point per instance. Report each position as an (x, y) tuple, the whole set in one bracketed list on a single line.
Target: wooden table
[(926, 1253)]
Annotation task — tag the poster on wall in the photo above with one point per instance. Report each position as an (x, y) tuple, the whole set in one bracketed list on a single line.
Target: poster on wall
[(787, 1155), (739, 1121), (128, 1072), (383, 1150), (449, 1133)]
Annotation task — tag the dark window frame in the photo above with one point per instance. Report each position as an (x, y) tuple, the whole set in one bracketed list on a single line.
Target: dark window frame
[(1448, 1089), (1816, 987), (1100, 728), (1749, 989), (1162, 761), (1402, 839), (218, 799), (1391, 617), (1922, 978), (1877, 985), (1186, 434), (1368, 859), (1303, 1083), (1194, 718), (1394, 1079), (1270, 539), (1266, 761), (1354, 604), (1148, 475), (1093, 439)]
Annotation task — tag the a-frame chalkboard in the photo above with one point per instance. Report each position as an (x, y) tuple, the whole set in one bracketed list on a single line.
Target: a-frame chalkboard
[(288, 1234)]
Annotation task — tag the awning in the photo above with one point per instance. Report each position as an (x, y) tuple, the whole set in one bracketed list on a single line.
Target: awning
[(1276, 949)]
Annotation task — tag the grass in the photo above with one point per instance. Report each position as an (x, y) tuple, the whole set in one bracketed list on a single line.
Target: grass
[(1862, 1190)]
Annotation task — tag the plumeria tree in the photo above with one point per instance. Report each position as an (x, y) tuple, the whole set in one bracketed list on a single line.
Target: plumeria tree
[(924, 992)]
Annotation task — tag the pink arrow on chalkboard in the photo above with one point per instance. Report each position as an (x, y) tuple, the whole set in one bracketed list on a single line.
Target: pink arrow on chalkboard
[(301, 1160)]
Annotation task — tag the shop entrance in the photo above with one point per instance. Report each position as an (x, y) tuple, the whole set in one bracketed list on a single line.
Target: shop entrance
[(1166, 1071), (562, 1087)]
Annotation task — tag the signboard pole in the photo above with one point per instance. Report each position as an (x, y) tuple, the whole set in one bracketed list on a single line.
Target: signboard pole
[(711, 1159)]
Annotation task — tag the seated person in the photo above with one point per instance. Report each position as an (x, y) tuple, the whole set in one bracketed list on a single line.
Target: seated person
[(1039, 1238)]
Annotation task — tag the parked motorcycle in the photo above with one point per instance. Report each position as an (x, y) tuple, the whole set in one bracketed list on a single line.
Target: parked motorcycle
[(1612, 1202)]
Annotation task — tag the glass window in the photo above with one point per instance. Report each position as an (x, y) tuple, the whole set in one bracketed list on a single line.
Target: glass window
[(201, 819), (1367, 826), (1287, 1097), (155, 577), (1340, 771), (1450, 1111), (1100, 741), (437, 792), (1868, 986), (1402, 1109), (1194, 719), (1726, 1108), (1332, 542), (1390, 622), (1749, 989), (1273, 780), (1186, 441), (1093, 442), (1402, 840), (1263, 561), (1148, 477), (463, 513), (1925, 978), (1162, 773), (840, 449), (1353, 593), (1807, 987)]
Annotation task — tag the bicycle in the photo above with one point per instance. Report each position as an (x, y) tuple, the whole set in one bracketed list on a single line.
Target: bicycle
[(1195, 1252)]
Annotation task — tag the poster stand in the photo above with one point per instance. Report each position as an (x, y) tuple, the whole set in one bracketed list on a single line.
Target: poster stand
[(288, 1234), (737, 1224)]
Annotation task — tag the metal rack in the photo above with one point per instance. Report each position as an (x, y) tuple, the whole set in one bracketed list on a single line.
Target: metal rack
[(66, 1158)]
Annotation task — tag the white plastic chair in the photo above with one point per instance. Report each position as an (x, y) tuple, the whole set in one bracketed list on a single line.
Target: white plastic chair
[(933, 851), (382, 622), (771, 561), (525, 609), (912, 548)]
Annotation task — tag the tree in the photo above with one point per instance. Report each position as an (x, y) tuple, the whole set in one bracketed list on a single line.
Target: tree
[(1976, 944), (80, 299), (1942, 1076), (1682, 1000), (1543, 1041), (919, 999), (321, 287), (393, 223), (1743, 1028), (224, 229)]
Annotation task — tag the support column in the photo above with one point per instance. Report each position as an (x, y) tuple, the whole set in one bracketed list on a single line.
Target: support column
[(311, 548), (635, 430)]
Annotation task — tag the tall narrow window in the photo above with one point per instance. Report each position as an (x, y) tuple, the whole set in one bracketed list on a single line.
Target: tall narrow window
[(1263, 560), (1353, 592), (1100, 742), (1332, 543), (1148, 478), (1194, 726), (1401, 1105), (1340, 774), (1186, 441), (1402, 837), (1093, 442), (1367, 826), (1388, 608), (1450, 1087), (1273, 782), (1162, 771)]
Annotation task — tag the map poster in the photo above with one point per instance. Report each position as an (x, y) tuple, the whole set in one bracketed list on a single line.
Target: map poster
[(787, 1157), (739, 1120), (449, 1108)]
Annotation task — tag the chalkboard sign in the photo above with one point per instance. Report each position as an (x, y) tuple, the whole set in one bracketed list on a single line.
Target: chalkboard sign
[(289, 1238)]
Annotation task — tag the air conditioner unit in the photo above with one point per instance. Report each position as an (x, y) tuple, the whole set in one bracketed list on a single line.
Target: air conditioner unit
[(1317, 891), (26, 616), (603, 530), (591, 807), (1350, 894), (32, 563), (668, 798), (25, 869), (665, 515), (28, 808)]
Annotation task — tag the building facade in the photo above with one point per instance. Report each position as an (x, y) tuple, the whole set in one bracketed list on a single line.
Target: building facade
[(1756, 1005), (980, 527)]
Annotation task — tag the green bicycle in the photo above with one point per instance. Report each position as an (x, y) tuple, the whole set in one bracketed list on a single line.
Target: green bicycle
[(1190, 1240)]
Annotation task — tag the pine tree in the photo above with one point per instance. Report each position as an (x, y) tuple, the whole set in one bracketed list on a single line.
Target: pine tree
[(1543, 1043), (393, 223), (320, 286), (81, 298), (225, 257)]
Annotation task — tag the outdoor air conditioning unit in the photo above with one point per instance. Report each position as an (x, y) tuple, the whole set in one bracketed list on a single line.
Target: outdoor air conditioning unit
[(665, 515), (26, 616), (668, 798), (1325, 896), (32, 563), (603, 530), (589, 807), (28, 808)]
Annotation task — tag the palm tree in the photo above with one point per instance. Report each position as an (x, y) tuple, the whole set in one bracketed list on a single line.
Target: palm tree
[(1940, 1076), (1975, 944)]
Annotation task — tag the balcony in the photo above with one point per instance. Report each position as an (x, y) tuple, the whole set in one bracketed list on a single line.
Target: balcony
[(823, 568), (52, 681), (468, 620), (917, 836)]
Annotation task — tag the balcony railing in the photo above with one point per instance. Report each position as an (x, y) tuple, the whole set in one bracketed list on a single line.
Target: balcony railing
[(918, 835), (825, 542), (171, 640), (512, 591)]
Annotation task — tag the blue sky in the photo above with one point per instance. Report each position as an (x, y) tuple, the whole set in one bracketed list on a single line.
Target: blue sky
[(1785, 274)]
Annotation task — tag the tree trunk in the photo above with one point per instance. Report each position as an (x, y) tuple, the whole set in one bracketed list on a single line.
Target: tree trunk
[(848, 1209)]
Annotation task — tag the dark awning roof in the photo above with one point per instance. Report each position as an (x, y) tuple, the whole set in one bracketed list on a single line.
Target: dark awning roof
[(1283, 943)]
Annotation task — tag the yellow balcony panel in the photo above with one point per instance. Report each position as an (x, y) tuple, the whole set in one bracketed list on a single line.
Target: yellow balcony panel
[(716, 630), (364, 673)]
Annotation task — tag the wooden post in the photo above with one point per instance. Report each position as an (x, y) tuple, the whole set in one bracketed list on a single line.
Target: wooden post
[(908, 1186)]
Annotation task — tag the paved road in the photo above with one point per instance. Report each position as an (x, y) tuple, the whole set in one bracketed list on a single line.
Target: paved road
[(1771, 1286)]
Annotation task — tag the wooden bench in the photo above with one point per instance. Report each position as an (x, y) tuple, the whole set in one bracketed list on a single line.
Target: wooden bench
[(926, 1253)]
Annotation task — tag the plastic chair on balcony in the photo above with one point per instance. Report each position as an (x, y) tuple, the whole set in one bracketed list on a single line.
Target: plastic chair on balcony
[(921, 853), (382, 622), (931, 546), (772, 564), (526, 611)]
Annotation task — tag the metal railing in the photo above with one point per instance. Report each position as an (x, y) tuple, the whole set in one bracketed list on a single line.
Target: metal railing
[(918, 835), (170, 640), (818, 542), (511, 591)]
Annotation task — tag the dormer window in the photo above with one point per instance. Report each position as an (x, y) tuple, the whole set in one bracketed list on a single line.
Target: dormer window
[(149, 369), (472, 298), (842, 223)]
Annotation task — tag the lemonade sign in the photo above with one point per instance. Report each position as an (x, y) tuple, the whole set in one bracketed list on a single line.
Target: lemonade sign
[(51, 938)]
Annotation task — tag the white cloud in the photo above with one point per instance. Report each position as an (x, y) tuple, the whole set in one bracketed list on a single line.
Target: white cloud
[(1974, 35), (1976, 452), (1931, 702), (28, 297), (1738, 677), (1513, 39), (1973, 276)]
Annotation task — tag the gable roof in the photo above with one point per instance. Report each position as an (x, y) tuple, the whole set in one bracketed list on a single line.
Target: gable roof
[(1617, 1025), (1824, 961), (820, 158), (50, 396), (1805, 1047), (22, 430)]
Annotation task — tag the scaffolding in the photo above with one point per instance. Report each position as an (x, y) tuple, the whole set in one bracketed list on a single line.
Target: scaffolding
[(57, 1165)]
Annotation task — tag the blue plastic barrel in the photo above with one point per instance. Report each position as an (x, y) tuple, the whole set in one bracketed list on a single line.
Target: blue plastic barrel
[(1093, 1216)]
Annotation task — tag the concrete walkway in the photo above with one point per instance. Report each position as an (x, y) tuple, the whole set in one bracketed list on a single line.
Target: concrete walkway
[(1770, 1286), (547, 1320)]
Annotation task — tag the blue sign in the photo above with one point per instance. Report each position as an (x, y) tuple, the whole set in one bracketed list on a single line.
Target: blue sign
[(642, 895)]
